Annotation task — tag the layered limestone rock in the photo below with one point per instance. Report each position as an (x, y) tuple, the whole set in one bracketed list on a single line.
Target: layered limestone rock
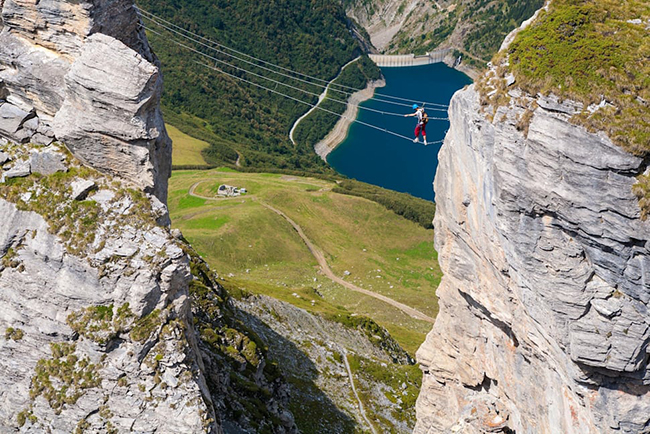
[(83, 73), (543, 323), (111, 118), (95, 308)]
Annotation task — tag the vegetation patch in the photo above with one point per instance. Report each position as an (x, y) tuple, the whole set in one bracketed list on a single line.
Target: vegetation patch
[(99, 323), (400, 385), (411, 208), (233, 346), (24, 416), (13, 334), (595, 53), (63, 378), (642, 191), (186, 150), (75, 222), (377, 334), (145, 326), (492, 21), (10, 259)]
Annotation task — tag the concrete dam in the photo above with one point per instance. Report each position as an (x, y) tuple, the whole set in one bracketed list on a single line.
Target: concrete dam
[(402, 60)]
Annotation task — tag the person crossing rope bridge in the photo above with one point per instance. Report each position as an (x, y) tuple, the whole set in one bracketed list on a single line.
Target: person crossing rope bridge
[(211, 58), (423, 118)]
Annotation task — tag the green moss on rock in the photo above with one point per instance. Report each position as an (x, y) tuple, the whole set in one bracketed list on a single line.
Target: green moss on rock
[(13, 334), (63, 378)]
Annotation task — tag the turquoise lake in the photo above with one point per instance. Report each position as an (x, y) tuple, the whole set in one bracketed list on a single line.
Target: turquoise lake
[(382, 159)]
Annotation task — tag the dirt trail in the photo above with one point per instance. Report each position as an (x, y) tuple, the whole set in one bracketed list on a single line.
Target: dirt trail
[(354, 389), (320, 258)]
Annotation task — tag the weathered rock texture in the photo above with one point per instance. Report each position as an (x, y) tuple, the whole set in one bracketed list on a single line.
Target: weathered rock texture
[(83, 73), (95, 311), (108, 323), (543, 324), (96, 295)]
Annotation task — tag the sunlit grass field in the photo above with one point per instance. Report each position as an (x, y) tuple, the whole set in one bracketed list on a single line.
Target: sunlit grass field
[(256, 249), (186, 150)]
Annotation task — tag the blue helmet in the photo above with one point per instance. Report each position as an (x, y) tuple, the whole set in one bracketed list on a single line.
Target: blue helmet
[(415, 106)]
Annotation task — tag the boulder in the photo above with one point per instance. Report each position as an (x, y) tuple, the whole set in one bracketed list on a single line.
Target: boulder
[(110, 118), (11, 118), (42, 139), (80, 189), (47, 162), (21, 169)]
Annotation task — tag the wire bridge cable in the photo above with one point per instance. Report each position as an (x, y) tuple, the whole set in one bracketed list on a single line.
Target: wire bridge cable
[(279, 82), (314, 105), (184, 33), (347, 93), (299, 100)]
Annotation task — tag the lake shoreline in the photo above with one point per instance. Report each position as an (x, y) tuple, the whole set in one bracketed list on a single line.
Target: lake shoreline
[(381, 156), (339, 133), (321, 98)]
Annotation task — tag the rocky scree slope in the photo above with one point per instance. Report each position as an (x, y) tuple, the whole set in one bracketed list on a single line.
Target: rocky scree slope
[(97, 295), (310, 351), (543, 323)]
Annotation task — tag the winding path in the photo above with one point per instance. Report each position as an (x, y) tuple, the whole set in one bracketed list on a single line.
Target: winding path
[(320, 99), (362, 410), (320, 258)]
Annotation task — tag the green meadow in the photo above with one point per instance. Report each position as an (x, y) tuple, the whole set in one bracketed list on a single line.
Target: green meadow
[(256, 250), (186, 150)]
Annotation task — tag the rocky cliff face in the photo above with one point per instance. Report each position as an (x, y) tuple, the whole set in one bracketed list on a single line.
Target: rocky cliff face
[(83, 73), (95, 307), (543, 323), (384, 20)]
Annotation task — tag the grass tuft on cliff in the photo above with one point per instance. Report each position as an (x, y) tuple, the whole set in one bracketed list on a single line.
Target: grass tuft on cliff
[(594, 53)]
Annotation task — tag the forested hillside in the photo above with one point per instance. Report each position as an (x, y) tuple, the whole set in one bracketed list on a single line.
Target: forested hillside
[(236, 117)]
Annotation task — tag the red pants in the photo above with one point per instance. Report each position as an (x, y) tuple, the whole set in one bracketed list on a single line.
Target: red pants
[(418, 128)]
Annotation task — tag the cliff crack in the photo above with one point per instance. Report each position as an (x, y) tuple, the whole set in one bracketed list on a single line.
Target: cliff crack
[(505, 328)]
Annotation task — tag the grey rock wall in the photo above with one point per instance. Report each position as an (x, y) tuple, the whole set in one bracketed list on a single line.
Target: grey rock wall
[(543, 324), (111, 119), (96, 331), (87, 64), (64, 367)]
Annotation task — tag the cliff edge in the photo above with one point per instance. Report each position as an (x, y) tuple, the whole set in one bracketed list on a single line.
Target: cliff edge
[(83, 73), (543, 323), (111, 322)]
